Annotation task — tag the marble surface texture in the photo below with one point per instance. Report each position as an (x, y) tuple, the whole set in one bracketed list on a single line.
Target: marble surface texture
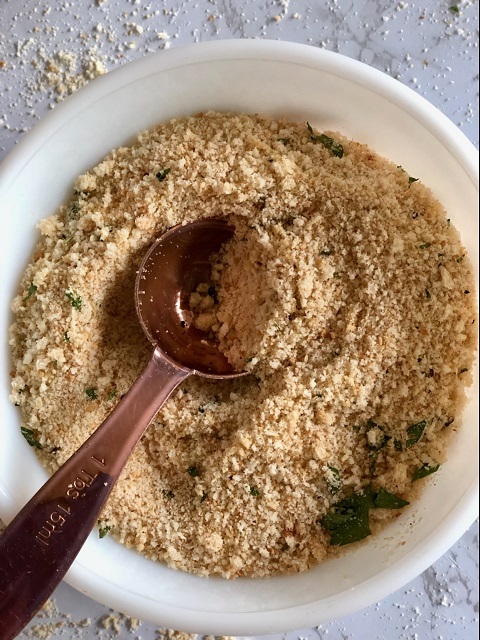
[(48, 49)]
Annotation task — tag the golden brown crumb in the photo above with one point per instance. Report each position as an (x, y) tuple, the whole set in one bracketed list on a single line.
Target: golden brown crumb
[(344, 292)]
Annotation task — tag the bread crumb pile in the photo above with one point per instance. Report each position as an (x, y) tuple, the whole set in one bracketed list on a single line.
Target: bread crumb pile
[(345, 292)]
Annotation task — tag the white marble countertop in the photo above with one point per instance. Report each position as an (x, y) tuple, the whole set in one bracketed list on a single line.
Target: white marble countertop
[(49, 49)]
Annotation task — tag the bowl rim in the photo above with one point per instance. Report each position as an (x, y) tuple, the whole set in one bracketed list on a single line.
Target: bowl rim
[(246, 49), (466, 510)]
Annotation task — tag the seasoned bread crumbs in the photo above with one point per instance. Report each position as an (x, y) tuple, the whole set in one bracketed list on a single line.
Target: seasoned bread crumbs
[(347, 295)]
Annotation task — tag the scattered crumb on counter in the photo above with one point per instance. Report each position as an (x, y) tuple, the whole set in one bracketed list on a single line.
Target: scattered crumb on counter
[(170, 634)]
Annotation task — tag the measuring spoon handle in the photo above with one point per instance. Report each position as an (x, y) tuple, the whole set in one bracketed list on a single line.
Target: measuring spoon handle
[(42, 541)]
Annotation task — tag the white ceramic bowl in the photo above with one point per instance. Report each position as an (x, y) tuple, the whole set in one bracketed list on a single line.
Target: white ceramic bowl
[(281, 79)]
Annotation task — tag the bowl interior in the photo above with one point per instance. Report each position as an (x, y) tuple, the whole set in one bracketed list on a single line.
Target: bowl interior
[(304, 84)]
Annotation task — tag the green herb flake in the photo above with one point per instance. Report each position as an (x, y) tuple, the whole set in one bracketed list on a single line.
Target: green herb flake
[(30, 438), (334, 519), (168, 493), (102, 531), (285, 141), (254, 491), (386, 500), (31, 290), (424, 471), (91, 393), (349, 520), (334, 146), (464, 370), (193, 471), (428, 295), (66, 337), (162, 174), (326, 252), (75, 301), (454, 9), (411, 180), (415, 432), (425, 245), (461, 258), (331, 144), (249, 359), (398, 445)]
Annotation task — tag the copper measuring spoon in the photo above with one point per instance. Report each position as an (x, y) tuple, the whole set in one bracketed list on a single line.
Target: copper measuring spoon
[(41, 542)]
